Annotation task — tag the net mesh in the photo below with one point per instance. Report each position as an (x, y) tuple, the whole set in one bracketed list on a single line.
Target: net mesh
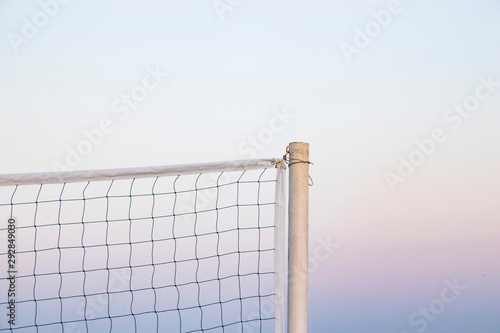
[(190, 253)]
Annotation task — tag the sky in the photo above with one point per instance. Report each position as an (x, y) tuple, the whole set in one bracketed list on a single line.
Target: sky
[(397, 99)]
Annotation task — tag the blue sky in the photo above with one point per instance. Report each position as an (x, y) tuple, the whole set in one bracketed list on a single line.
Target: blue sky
[(226, 80)]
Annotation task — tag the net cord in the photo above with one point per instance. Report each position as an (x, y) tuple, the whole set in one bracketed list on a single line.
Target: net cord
[(128, 173)]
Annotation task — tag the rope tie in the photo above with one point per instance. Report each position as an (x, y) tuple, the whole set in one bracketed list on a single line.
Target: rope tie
[(292, 161)]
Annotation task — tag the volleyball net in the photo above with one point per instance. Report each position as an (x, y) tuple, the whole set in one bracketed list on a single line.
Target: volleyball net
[(189, 248)]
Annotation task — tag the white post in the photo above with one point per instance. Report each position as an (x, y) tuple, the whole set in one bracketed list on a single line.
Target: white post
[(298, 237)]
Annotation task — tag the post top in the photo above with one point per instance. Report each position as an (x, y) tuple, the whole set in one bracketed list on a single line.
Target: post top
[(298, 143), (299, 150)]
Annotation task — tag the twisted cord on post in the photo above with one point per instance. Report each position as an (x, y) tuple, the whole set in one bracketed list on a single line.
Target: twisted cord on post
[(292, 161)]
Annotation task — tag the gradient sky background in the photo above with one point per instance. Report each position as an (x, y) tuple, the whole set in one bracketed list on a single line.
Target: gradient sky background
[(225, 78)]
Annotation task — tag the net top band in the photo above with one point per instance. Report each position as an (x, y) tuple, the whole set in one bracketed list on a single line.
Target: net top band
[(141, 172)]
